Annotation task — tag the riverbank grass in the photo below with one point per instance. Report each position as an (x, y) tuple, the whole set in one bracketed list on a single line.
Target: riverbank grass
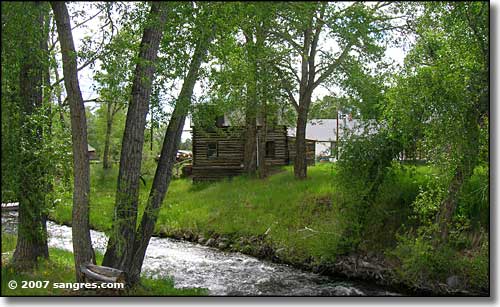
[(60, 269)]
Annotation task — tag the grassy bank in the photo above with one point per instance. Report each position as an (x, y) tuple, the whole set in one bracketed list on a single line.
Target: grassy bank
[(304, 219), (60, 269), (311, 222)]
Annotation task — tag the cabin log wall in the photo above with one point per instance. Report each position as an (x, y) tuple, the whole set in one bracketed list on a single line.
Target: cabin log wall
[(230, 151)]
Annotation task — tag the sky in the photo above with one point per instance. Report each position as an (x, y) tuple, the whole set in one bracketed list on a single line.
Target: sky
[(92, 28)]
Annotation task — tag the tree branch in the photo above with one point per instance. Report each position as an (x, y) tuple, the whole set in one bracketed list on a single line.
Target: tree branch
[(330, 68), (292, 99), (289, 67), (288, 38)]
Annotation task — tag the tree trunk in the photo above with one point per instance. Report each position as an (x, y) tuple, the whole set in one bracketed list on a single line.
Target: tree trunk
[(31, 231), (166, 162), (300, 164), (449, 204), (82, 244), (463, 171), (250, 160), (121, 241), (250, 153), (109, 125), (262, 169)]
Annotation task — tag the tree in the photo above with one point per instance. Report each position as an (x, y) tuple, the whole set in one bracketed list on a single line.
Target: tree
[(26, 56), (442, 96), (163, 173), (121, 241), (255, 28), (357, 29), (82, 244), (186, 145), (242, 81)]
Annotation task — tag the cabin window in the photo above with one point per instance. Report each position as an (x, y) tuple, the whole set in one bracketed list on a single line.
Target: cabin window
[(270, 149), (212, 152)]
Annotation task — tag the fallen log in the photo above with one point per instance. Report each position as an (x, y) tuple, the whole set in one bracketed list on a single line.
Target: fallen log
[(103, 274)]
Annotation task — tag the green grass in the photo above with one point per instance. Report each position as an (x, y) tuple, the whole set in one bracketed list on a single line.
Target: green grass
[(304, 218), (60, 269)]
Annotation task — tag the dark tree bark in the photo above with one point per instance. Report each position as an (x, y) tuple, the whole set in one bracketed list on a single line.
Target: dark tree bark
[(163, 173), (250, 159), (262, 167), (32, 231), (82, 244), (121, 241), (300, 163), (250, 153)]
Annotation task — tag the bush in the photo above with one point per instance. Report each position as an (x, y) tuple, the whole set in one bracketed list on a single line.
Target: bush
[(422, 263), (364, 164)]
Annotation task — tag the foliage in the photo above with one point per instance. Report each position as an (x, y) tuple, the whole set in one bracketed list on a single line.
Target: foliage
[(422, 262), (364, 163)]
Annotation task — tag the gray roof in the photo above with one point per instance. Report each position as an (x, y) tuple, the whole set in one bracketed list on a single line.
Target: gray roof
[(325, 130)]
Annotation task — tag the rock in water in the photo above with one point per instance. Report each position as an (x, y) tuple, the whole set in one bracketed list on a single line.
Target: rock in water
[(210, 242)]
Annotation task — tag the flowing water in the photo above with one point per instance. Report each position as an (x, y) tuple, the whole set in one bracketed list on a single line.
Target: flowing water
[(222, 273)]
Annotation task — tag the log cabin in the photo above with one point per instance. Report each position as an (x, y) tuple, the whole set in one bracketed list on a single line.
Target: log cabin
[(218, 152)]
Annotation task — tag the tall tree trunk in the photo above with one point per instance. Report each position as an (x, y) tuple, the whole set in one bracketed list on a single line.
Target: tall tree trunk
[(261, 85), (109, 125), (82, 244), (32, 231), (250, 153), (122, 237), (163, 173), (250, 159), (262, 168), (300, 163)]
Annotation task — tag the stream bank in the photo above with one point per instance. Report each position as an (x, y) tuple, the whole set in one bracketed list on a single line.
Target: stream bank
[(369, 268)]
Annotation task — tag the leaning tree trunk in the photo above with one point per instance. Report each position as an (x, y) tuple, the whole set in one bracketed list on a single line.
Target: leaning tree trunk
[(82, 244), (463, 171), (163, 173), (32, 231), (449, 204), (109, 125), (121, 241)]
